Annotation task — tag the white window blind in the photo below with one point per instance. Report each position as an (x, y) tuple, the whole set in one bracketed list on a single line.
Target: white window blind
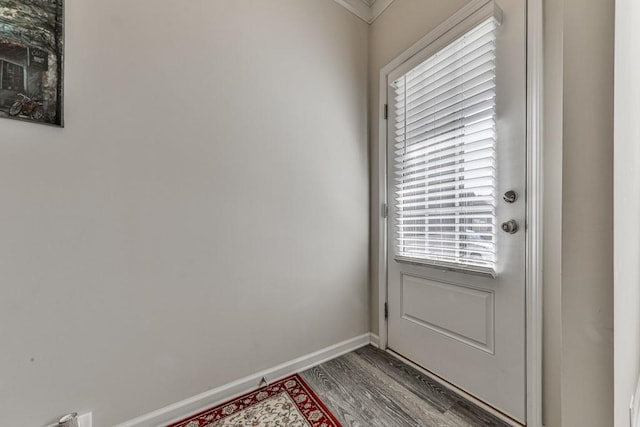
[(445, 155)]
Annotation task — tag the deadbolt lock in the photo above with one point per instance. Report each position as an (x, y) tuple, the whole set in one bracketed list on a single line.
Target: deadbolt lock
[(510, 196), (510, 226)]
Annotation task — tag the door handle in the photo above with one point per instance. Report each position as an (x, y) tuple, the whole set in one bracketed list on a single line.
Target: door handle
[(510, 226)]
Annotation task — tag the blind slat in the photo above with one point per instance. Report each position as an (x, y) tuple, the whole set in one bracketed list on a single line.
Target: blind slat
[(449, 115), (459, 193), (446, 186), (453, 122), (443, 101), (473, 39), (473, 74), (442, 93), (421, 169), (468, 128), (444, 170), (455, 76)]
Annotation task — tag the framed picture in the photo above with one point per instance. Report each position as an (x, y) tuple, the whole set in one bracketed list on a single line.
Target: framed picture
[(32, 60)]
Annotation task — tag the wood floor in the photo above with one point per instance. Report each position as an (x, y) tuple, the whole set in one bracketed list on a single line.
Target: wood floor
[(370, 388)]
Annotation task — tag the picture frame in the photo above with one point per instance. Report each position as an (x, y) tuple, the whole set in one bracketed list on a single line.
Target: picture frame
[(32, 61)]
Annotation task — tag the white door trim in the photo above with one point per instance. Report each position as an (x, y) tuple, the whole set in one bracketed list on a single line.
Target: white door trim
[(533, 198), (534, 236)]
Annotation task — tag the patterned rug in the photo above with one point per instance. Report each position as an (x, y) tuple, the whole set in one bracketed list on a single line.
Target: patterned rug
[(289, 402)]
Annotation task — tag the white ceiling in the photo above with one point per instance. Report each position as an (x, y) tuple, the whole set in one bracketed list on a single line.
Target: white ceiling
[(367, 10)]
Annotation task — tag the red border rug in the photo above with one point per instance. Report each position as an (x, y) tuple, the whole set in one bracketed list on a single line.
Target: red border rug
[(288, 402)]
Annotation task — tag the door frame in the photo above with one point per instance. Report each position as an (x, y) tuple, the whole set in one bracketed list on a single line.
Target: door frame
[(534, 196)]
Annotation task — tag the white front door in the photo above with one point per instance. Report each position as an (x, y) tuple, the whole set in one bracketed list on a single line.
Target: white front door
[(456, 185)]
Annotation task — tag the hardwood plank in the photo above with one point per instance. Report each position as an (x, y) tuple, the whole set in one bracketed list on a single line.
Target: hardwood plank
[(377, 408), (432, 392), (413, 404), (350, 412), (456, 406), (466, 410), (371, 388)]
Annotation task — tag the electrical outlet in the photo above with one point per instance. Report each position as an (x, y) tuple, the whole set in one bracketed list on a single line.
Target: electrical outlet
[(634, 407), (85, 420)]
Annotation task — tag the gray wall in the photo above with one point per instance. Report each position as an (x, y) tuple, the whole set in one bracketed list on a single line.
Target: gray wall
[(587, 214), (203, 216), (627, 207)]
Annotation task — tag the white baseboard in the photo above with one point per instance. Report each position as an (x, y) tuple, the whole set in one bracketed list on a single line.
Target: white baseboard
[(200, 402), (375, 340)]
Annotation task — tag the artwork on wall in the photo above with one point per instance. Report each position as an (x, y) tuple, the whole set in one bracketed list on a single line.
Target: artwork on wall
[(32, 60)]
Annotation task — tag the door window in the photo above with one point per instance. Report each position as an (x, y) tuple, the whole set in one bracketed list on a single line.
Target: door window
[(445, 155)]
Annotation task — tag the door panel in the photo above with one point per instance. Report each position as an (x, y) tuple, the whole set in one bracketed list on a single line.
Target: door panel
[(465, 325), (430, 304)]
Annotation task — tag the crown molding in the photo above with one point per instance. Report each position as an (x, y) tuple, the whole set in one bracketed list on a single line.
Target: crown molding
[(378, 7), (367, 10)]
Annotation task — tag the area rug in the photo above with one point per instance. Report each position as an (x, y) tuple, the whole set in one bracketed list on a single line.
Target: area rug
[(289, 402)]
